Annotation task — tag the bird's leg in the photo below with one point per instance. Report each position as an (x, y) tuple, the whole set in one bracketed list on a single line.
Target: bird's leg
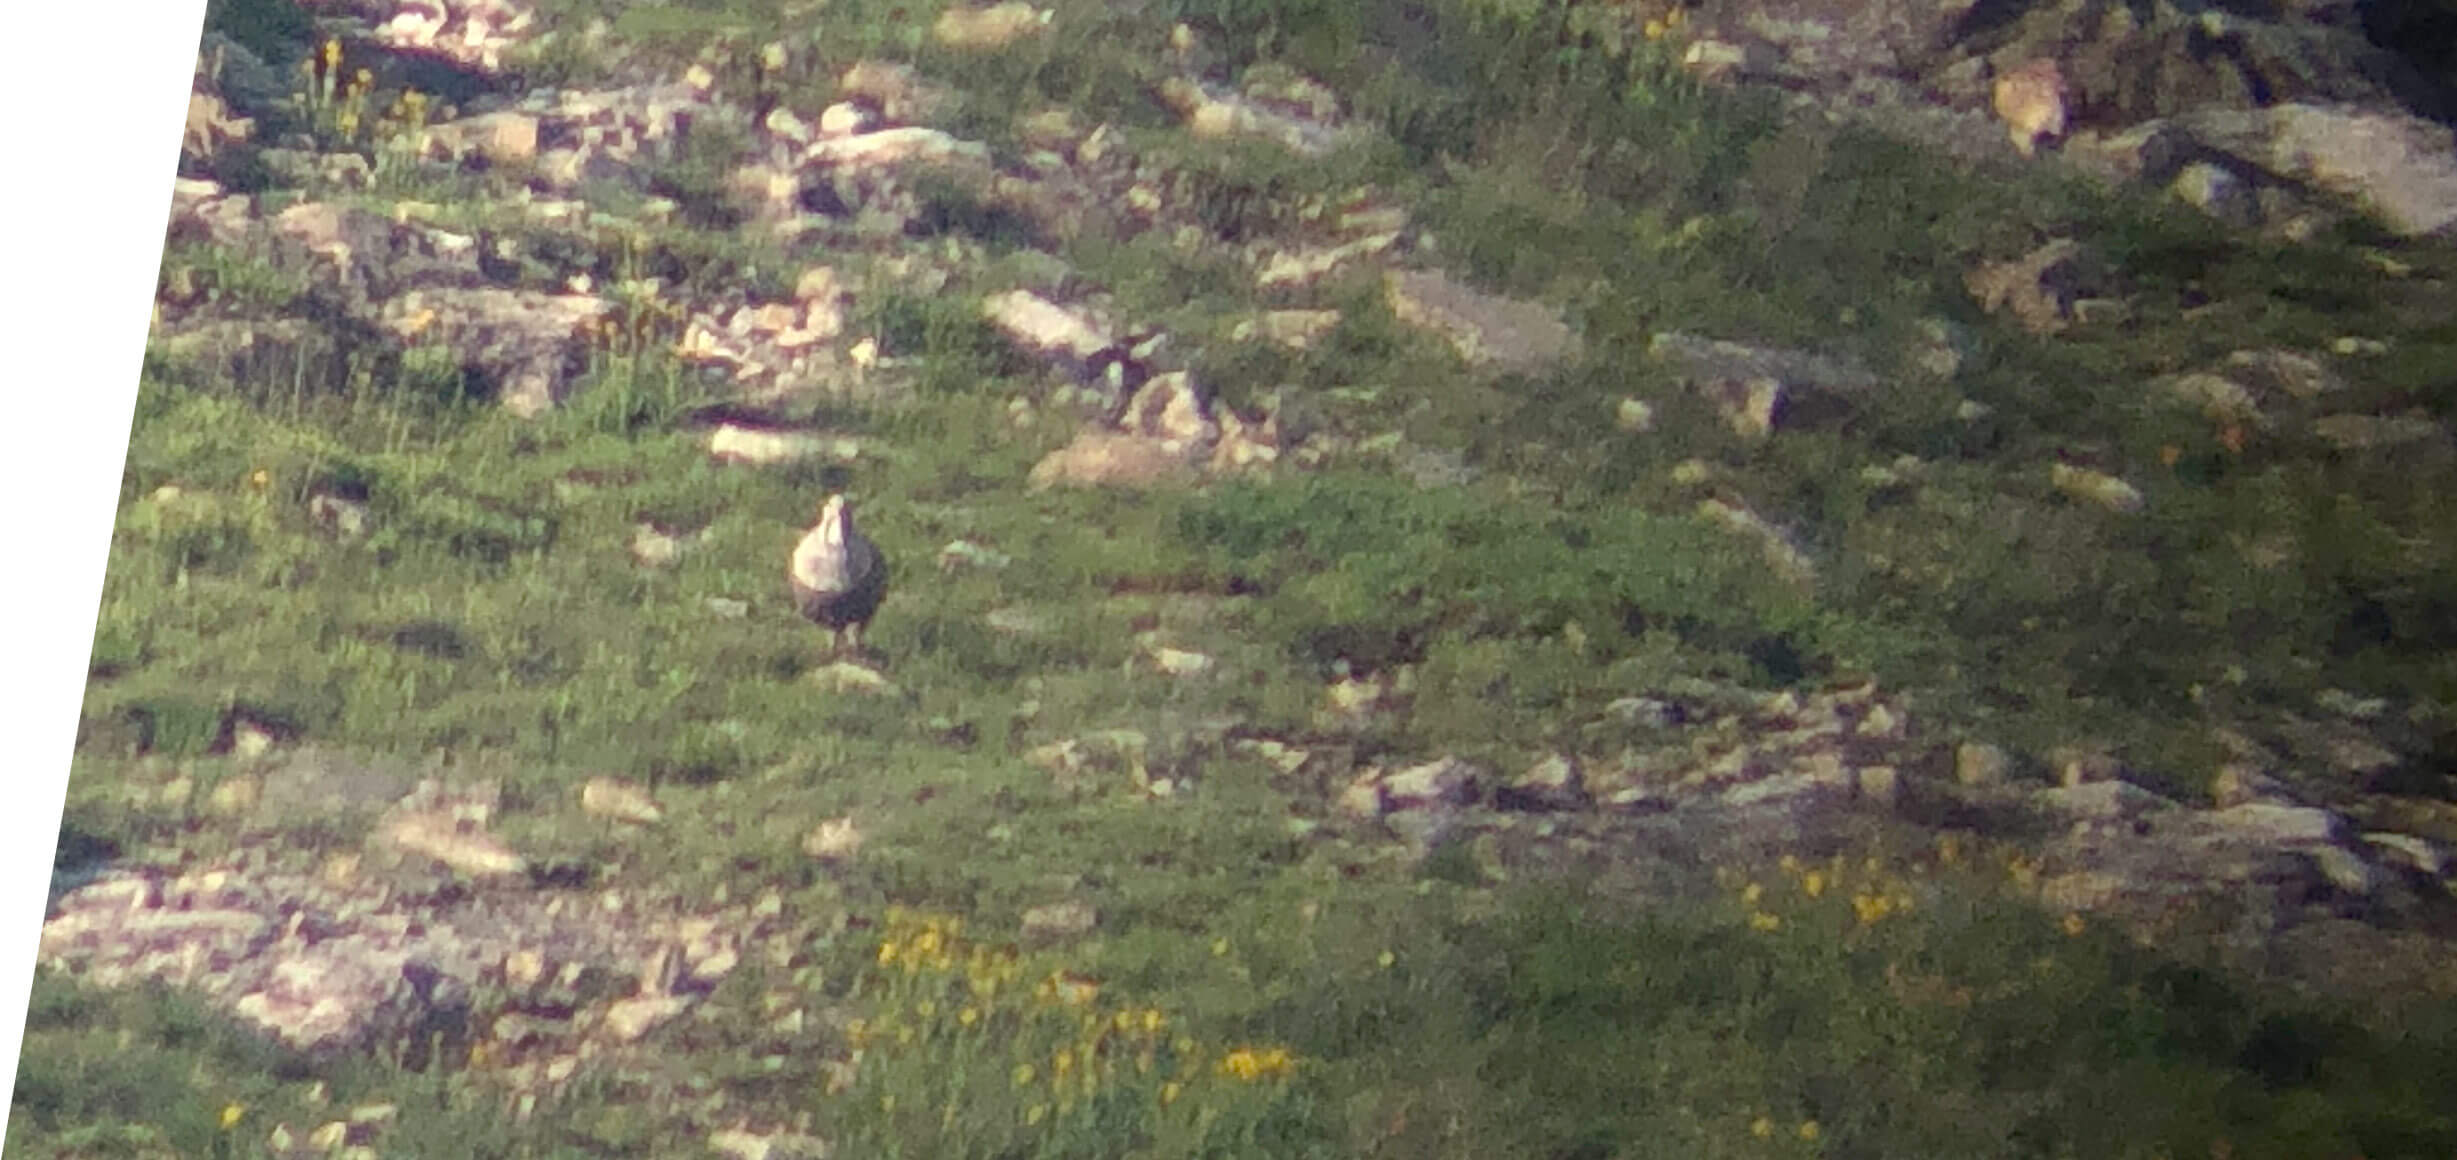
[(854, 631)]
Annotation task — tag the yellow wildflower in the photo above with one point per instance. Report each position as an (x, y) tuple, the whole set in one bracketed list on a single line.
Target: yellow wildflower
[(926, 1008), (332, 53), (1153, 1020), (887, 953), (1219, 946), (1655, 30), (260, 479), (1024, 1074), (1789, 864), (231, 1114), (2074, 924), (1169, 1092), (1749, 894), (1036, 1113), (1763, 921), (1813, 883), (1761, 1127), (1385, 959), (1061, 1063), (968, 1016), (1808, 1129)]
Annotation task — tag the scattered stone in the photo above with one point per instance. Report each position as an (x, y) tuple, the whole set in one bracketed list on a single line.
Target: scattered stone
[(836, 840), (347, 518), (991, 28), (1634, 415), (507, 138), (620, 800), (1554, 783), (1731, 62), (737, 443), (1786, 559), (2030, 99), (967, 554), (1294, 329), (630, 1020), (452, 841), (846, 677), (2045, 289), (1059, 921), (2096, 487), (2376, 432), (653, 547), (2095, 801)]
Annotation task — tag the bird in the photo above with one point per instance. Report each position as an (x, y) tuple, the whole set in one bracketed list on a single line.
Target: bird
[(838, 576)]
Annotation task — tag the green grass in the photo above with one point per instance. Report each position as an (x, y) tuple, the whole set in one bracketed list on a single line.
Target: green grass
[(491, 613)]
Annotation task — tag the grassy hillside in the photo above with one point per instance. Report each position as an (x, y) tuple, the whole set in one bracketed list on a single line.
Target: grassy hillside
[(1271, 991)]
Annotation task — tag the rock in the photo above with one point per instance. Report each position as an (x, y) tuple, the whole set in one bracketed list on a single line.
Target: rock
[(620, 800), (2393, 164), (967, 554), (885, 148), (1555, 783), (1287, 268), (1212, 115), (2219, 192), (2095, 487), (630, 1020), (1171, 410), (2220, 398), (847, 677), (507, 138), (985, 29), (1448, 781), (529, 344), (2238, 783), (1294, 329), (1731, 61), (740, 1144), (1941, 348), (653, 547), (347, 518), (1708, 362), (452, 841), (2277, 824), (1486, 330), (1633, 415), (844, 119), (895, 90), (2044, 289), (833, 841), (1786, 559), (1180, 663), (2100, 801), (2418, 854), (1045, 328), (2376, 432), (1059, 921), (1112, 459), (763, 446), (2031, 99)]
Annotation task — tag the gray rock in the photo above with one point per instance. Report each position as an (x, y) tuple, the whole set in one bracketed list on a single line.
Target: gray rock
[(2103, 800)]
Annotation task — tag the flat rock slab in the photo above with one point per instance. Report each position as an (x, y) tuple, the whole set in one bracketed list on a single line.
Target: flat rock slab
[(1487, 330)]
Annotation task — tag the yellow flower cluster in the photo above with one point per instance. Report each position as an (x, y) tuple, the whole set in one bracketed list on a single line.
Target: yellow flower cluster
[(1874, 895), (1669, 22), (947, 1007), (1252, 1064)]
